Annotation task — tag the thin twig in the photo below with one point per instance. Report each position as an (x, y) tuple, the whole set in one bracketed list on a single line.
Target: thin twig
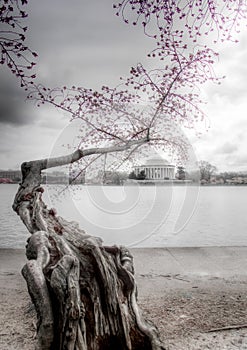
[(237, 326)]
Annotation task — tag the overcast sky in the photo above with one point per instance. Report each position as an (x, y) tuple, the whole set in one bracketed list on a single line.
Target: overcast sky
[(83, 43)]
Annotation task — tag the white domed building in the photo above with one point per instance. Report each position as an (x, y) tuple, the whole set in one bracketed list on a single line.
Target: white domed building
[(156, 168)]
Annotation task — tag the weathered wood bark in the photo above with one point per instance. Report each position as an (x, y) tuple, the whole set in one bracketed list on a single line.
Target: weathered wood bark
[(84, 293)]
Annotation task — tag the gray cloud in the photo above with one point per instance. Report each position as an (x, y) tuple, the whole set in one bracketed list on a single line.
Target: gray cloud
[(84, 44), (232, 65), (10, 112), (227, 148), (13, 109), (240, 161)]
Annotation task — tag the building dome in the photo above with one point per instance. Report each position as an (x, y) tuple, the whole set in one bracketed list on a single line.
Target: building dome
[(155, 168), (156, 161)]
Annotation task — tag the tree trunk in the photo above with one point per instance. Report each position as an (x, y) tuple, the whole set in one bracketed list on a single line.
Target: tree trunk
[(84, 293)]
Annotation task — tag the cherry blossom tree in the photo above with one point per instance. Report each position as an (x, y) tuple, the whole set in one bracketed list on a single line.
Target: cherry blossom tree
[(84, 292), (14, 53)]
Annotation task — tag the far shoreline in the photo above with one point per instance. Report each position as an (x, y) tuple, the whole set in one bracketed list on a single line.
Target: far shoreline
[(171, 183)]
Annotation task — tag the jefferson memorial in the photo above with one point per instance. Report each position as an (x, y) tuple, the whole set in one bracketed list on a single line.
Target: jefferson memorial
[(156, 168)]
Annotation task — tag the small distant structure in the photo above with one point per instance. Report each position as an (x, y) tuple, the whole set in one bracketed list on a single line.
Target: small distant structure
[(13, 175), (5, 181), (54, 178), (237, 180), (156, 168)]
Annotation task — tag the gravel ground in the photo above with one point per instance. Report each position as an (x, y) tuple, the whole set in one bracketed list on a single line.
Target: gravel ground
[(185, 315), (192, 311), (196, 320)]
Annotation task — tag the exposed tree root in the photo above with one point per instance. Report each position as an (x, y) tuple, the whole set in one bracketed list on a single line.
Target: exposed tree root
[(85, 294)]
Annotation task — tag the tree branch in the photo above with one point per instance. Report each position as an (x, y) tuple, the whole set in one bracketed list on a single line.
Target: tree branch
[(78, 154)]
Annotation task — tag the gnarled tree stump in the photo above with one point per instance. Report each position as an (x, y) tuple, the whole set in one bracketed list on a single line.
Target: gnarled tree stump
[(84, 293)]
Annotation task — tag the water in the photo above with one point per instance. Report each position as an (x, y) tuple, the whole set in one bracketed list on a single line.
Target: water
[(146, 216), (13, 233)]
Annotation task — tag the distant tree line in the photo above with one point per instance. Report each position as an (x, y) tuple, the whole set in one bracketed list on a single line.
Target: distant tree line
[(114, 177), (140, 176), (207, 172)]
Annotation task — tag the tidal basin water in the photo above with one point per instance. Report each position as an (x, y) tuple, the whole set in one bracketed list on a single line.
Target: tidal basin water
[(141, 216)]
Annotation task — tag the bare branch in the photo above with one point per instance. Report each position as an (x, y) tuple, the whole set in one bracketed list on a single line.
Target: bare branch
[(78, 154)]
